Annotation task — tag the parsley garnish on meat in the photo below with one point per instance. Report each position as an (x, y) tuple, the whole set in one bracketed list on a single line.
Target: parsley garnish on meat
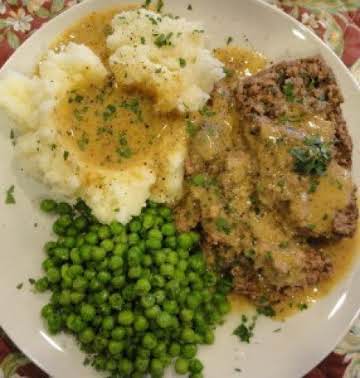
[(245, 331), (288, 90), (223, 225), (302, 306), (66, 155), (10, 199), (146, 3), (163, 40), (133, 105), (202, 181), (228, 72), (206, 111), (266, 311), (313, 158)]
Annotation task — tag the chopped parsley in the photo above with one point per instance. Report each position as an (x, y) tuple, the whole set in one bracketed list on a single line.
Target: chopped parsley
[(109, 112), (133, 106), (66, 155), (277, 330), (283, 244), (146, 3), (229, 40), (238, 370), (206, 111), (19, 286), (313, 185), (31, 281), (245, 331), (142, 40), (302, 306), (223, 225), (75, 97), (10, 199), (12, 137), (163, 40), (249, 253), (266, 311), (284, 118), (182, 62), (189, 7), (108, 30), (202, 181), (288, 90), (124, 150), (191, 128), (313, 158), (160, 5)]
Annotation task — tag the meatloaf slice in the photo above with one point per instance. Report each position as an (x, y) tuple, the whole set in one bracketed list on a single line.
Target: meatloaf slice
[(282, 109)]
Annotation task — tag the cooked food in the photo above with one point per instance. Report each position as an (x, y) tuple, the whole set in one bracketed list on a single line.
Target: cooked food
[(164, 56), (270, 196), (92, 132), (135, 297), (165, 149)]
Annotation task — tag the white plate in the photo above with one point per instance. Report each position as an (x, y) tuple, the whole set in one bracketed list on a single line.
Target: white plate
[(305, 338)]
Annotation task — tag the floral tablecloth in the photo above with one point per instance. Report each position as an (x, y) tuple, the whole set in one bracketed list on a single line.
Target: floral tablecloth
[(337, 22)]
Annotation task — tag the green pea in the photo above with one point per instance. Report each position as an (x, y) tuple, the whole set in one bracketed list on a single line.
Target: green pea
[(118, 333), (141, 364), (75, 256), (65, 298), (181, 366), (61, 253), (108, 323), (116, 228), (185, 241), (126, 317), (188, 351), (91, 238), (174, 349), (168, 229), (156, 367), (149, 341), (153, 243), (100, 343), (125, 366), (98, 253), (118, 282), (196, 366), (87, 336), (104, 232), (77, 297), (104, 277), (141, 323), (85, 252), (164, 320), (119, 249), (80, 283), (135, 272), (48, 205), (116, 347), (167, 270), (54, 323), (63, 208), (171, 242), (133, 238), (209, 337), (111, 365), (115, 263), (87, 312), (107, 244), (152, 312), (142, 286), (53, 275), (42, 284), (148, 221), (116, 301)]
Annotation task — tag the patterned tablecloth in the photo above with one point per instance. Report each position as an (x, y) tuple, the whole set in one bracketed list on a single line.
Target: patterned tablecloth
[(337, 22)]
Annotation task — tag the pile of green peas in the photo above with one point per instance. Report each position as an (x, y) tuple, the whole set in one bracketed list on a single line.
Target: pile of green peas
[(137, 297)]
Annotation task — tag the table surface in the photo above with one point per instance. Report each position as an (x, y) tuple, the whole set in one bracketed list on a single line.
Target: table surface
[(337, 22)]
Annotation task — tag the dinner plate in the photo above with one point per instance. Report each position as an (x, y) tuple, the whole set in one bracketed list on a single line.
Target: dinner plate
[(304, 339)]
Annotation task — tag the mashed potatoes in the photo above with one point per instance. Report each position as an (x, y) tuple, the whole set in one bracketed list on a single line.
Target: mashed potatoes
[(164, 56), (83, 135)]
